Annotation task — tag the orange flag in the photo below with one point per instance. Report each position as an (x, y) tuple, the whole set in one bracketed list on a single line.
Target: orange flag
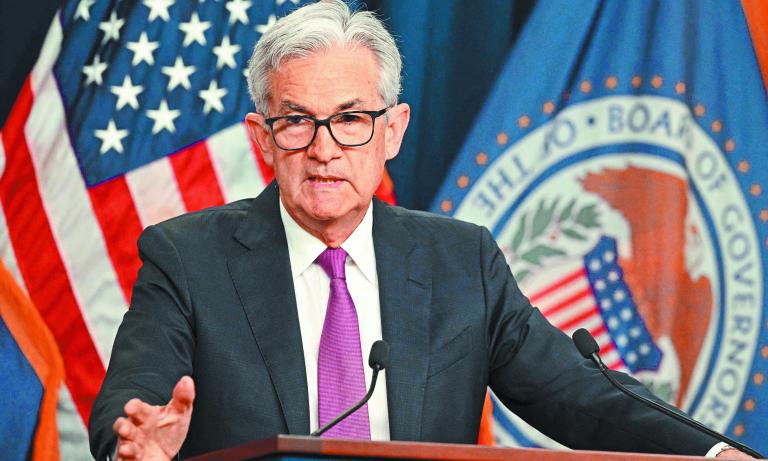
[(38, 346)]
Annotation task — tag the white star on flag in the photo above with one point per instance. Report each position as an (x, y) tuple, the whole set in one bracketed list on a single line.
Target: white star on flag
[(111, 138), (178, 74), (163, 118), (84, 9), (238, 11), (212, 97), (127, 93), (93, 73), (111, 28), (261, 28), (142, 50), (194, 30), (158, 9), (280, 2), (225, 53)]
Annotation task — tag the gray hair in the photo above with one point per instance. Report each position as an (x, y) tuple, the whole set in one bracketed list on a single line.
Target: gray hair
[(316, 27)]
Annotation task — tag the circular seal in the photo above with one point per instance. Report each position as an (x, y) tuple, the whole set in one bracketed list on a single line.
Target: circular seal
[(622, 215)]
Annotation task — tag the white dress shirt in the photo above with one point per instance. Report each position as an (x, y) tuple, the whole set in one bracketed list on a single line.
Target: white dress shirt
[(312, 287)]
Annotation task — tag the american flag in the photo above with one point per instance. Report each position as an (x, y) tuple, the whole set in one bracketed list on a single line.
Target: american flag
[(591, 293), (131, 115)]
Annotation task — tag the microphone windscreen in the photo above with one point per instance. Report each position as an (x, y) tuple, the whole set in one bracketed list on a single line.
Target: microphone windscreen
[(379, 355), (585, 343)]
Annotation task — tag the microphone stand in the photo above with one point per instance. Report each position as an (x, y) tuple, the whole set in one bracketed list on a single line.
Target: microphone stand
[(593, 355), (351, 409)]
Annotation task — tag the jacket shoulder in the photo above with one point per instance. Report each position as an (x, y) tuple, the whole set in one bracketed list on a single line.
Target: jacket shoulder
[(435, 226), (232, 212), (200, 225)]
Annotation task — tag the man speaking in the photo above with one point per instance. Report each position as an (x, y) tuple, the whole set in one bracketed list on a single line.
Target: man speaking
[(255, 318)]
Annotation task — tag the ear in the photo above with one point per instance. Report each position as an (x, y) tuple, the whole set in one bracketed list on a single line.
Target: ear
[(259, 132), (397, 122)]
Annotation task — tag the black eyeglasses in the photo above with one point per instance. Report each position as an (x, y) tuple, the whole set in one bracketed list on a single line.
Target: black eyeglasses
[(350, 129)]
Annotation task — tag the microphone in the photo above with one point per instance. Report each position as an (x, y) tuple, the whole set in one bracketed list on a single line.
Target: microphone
[(589, 349), (378, 359)]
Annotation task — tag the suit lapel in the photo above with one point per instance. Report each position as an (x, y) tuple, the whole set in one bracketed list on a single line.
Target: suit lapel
[(262, 277), (405, 292)]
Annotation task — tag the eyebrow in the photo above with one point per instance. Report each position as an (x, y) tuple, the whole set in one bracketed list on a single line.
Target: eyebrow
[(301, 109)]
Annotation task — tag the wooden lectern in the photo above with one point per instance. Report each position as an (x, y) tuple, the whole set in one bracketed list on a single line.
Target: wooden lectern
[(293, 448)]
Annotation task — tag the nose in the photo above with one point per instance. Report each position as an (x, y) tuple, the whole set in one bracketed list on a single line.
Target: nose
[(324, 147)]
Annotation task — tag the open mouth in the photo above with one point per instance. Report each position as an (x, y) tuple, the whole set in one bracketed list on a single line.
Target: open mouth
[(324, 179)]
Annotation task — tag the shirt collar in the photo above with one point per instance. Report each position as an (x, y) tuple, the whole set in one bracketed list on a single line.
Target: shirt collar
[(304, 248)]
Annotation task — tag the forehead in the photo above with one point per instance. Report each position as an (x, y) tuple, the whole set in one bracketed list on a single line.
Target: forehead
[(327, 79)]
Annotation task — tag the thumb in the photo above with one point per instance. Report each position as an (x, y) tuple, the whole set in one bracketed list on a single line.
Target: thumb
[(183, 395)]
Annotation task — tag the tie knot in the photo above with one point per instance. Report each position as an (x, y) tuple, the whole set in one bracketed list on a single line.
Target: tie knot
[(332, 261)]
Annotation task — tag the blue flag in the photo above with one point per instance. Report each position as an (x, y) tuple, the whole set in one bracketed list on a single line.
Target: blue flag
[(645, 124)]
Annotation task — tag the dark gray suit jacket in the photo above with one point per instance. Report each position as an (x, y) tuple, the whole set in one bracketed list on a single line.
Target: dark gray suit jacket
[(214, 300)]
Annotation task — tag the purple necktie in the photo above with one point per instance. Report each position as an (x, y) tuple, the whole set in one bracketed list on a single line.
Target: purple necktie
[(340, 376)]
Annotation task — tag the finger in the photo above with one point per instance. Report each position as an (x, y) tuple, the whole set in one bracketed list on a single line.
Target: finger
[(183, 395), (732, 453), (138, 412), (127, 451), (124, 428)]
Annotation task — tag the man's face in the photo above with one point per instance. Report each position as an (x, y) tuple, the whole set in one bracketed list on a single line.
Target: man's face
[(326, 185)]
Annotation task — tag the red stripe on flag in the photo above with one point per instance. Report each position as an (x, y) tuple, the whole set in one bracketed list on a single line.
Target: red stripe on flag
[(196, 178), (616, 364), (598, 330), (568, 301), (559, 284), (40, 263), (609, 347), (120, 224), (566, 326)]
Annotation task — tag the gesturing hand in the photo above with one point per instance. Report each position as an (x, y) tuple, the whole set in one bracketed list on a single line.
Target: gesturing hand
[(153, 432), (732, 453)]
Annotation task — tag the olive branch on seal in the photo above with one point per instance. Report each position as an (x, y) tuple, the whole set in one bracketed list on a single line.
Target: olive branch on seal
[(534, 239)]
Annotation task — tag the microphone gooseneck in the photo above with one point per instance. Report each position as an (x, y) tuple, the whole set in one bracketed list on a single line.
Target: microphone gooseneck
[(589, 349), (378, 359)]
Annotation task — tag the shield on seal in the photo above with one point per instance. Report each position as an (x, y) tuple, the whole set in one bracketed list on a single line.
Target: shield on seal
[(591, 293)]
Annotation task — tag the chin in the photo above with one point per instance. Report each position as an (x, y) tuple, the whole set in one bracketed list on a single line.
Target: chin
[(327, 214), (330, 211)]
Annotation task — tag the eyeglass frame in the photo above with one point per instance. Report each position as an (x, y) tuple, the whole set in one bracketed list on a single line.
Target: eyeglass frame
[(326, 122)]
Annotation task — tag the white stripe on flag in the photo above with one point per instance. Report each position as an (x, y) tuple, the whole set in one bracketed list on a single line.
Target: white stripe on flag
[(604, 341), (608, 352), (155, 192), (73, 436), (592, 324), (71, 218), (577, 307), (553, 299), (235, 163), (48, 54), (540, 280), (6, 250)]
